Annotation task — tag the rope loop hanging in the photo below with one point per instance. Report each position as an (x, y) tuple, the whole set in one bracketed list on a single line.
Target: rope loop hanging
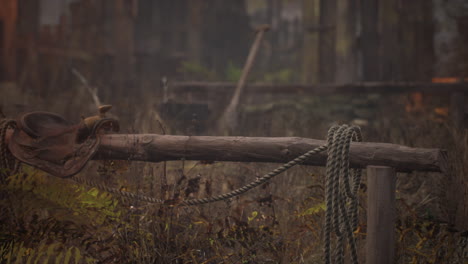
[(341, 194)]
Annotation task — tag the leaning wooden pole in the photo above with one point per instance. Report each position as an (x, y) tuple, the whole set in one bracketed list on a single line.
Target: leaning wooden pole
[(230, 115), (156, 148), (381, 215)]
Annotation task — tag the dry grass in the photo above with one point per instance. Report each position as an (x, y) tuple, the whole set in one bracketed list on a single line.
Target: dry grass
[(280, 222)]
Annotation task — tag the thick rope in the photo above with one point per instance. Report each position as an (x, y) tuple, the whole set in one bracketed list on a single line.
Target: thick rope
[(226, 196), (7, 159), (125, 194), (341, 216)]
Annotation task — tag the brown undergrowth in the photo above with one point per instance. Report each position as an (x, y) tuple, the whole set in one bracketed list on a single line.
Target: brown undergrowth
[(49, 219)]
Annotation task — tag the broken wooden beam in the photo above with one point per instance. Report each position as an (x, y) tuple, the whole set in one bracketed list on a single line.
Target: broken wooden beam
[(325, 89), (157, 148)]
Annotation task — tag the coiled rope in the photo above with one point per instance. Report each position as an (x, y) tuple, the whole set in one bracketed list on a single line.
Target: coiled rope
[(341, 217)]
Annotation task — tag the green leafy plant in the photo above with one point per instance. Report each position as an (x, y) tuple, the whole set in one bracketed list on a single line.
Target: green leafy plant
[(280, 76), (233, 72), (195, 71)]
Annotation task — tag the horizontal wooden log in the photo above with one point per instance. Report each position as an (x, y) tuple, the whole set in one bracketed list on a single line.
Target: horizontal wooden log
[(156, 148), (324, 89)]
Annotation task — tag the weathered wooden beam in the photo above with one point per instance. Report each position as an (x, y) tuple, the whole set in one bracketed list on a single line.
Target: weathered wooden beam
[(324, 89), (156, 148)]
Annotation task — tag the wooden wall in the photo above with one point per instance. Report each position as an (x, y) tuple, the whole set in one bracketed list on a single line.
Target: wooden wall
[(368, 40), (8, 20)]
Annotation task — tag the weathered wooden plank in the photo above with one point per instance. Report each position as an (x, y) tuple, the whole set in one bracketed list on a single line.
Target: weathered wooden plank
[(381, 215), (327, 41), (310, 58), (9, 20), (156, 148), (415, 28), (323, 89), (390, 48), (370, 41)]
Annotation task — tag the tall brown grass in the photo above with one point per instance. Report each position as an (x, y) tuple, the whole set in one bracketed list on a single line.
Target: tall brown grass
[(279, 222)]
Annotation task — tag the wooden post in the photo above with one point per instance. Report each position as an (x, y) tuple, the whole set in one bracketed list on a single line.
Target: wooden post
[(457, 109), (380, 247)]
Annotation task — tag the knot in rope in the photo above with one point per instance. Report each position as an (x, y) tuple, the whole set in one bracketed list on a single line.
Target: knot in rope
[(341, 194)]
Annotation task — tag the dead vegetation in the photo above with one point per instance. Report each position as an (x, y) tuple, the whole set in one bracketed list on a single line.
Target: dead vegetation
[(280, 222)]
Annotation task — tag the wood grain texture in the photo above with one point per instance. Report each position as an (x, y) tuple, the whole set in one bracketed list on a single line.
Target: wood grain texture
[(156, 148), (381, 215)]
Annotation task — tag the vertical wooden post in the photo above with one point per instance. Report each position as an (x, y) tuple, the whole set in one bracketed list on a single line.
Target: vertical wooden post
[(458, 109), (380, 241)]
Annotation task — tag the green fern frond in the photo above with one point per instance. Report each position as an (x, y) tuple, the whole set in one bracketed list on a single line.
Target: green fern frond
[(53, 253)]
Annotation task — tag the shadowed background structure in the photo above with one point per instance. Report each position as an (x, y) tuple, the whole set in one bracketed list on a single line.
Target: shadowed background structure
[(388, 66)]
